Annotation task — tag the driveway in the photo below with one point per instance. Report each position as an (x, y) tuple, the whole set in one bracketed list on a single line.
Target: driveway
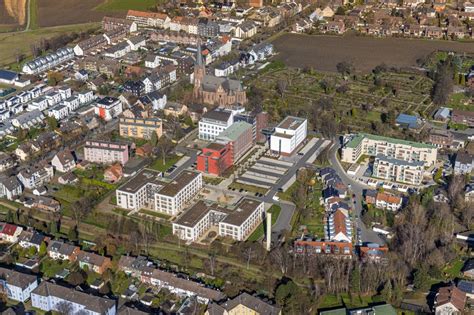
[(366, 235)]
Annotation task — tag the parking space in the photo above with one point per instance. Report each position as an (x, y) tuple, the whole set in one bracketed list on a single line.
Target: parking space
[(265, 173)]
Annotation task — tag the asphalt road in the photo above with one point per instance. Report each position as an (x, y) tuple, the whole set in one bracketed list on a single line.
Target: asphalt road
[(366, 235)]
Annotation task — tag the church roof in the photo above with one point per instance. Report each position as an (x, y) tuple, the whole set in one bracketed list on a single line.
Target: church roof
[(211, 83)]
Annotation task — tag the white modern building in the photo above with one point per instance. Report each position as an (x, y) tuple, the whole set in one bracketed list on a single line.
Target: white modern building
[(52, 297), (236, 222), (361, 144), (395, 170), (17, 286), (288, 135), (108, 108), (149, 190), (36, 176), (59, 112), (49, 61), (214, 122)]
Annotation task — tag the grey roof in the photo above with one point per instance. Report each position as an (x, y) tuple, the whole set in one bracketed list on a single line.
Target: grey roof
[(10, 183), (399, 162), (92, 303), (466, 286), (253, 303), (217, 114), (212, 83), (234, 131), (17, 279)]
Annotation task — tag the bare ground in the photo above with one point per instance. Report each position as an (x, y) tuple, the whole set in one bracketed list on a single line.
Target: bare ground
[(323, 53), (12, 12), (65, 12)]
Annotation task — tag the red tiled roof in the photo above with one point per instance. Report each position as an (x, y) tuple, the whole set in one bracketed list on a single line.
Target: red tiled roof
[(9, 229), (451, 295)]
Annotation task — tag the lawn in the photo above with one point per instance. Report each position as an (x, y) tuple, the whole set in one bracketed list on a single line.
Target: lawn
[(155, 214), (345, 299), (50, 267), (258, 233), (124, 5), (460, 101), (10, 43), (453, 269), (159, 166)]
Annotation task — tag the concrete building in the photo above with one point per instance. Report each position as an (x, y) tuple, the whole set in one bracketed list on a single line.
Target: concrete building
[(361, 144), (105, 152), (238, 137), (214, 122), (236, 222), (108, 108), (51, 297), (140, 128), (395, 170), (288, 135), (215, 159), (464, 163), (149, 190), (16, 285)]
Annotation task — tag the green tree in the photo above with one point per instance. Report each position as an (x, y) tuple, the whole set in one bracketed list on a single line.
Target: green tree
[(421, 279), (355, 279), (387, 291), (43, 249), (73, 234), (52, 123), (285, 292), (9, 218), (32, 251)]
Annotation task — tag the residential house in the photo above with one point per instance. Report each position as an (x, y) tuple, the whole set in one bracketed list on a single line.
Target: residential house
[(48, 61), (468, 268), (108, 108), (63, 251), (373, 252), (462, 117), (9, 232), (441, 138), (310, 246), (388, 201), (35, 176), (68, 179), (246, 30), (26, 150), (464, 163), (338, 226), (140, 128), (28, 120), (50, 297), (149, 19), (94, 262), (113, 173), (449, 301), (467, 287), (382, 309), (175, 109), (10, 187), (17, 286), (64, 161), (111, 23), (244, 303), (29, 239)]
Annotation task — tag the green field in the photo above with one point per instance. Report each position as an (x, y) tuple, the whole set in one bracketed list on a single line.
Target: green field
[(123, 5), (258, 233), (11, 43)]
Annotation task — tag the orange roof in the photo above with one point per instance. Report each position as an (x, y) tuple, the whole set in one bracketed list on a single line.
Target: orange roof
[(388, 198), (340, 222), (144, 14)]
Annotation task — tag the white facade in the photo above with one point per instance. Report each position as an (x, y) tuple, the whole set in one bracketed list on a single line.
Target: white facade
[(17, 286), (398, 170), (36, 177), (213, 123), (59, 112), (108, 108), (288, 135), (48, 62)]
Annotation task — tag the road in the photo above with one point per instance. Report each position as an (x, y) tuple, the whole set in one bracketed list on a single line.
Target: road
[(367, 235)]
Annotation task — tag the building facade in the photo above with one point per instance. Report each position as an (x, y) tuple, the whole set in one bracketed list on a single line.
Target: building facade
[(140, 128), (288, 135), (105, 152), (396, 170)]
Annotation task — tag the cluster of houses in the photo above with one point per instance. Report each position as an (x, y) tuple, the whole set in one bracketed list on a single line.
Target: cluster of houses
[(433, 19), (48, 296)]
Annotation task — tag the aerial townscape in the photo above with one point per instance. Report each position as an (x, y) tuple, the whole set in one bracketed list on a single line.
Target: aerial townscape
[(237, 157)]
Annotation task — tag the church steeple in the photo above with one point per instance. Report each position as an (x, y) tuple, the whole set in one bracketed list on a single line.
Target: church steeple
[(199, 71), (199, 54)]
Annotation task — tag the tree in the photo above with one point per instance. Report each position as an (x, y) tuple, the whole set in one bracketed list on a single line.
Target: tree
[(43, 249), (164, 147), (387, 291), (421, 279), (345, 68), (32, 251), (52, 123), (281, 86), (355, 279), (81, 208), (54, 78), (443, 85), (73, 234)]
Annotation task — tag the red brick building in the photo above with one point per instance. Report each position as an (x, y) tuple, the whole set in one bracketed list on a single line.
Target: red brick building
[(215, 159), (320, 247)]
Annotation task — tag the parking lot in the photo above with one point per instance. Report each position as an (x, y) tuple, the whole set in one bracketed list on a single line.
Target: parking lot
[(265, 173)]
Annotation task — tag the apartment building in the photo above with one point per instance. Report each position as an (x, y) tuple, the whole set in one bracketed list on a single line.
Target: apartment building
[(338, 226), (48, 61), (141, 128), (17, 286), (108, 108), (105, 152), (214, 122), (214, 159), (50, 297), (236, 222), (288, 135), (10, 187), (366, 144), (149, 190), (395, 170)]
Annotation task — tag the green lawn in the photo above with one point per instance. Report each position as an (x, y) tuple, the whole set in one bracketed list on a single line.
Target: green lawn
[(124, 5), (159, 166), (460, 101), (258, 233), (453, 269), (345, 299), (155, 214)]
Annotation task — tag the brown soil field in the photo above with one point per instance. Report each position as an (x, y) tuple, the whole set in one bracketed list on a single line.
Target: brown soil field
[(323, 53), (12, 12), (64, 12)]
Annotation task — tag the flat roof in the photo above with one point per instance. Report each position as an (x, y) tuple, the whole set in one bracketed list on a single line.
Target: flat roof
[(142, 178), (357, 139), (291, 122), (180, 181), (399, 162), (234, 131)]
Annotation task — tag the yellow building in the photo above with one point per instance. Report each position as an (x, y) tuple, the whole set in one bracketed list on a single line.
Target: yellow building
[(141, 128), (244, 304)]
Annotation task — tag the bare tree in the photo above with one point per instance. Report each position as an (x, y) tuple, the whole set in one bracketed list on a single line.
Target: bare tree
[(64, 308), (281, 86)]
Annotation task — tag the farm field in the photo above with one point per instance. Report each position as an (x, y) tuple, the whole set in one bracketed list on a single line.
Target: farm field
[(323, 53), (21, 42), (124, 5), (54, 13), (12, 14)]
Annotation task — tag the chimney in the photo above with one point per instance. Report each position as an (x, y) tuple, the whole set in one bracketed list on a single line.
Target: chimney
[(269, 231)]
